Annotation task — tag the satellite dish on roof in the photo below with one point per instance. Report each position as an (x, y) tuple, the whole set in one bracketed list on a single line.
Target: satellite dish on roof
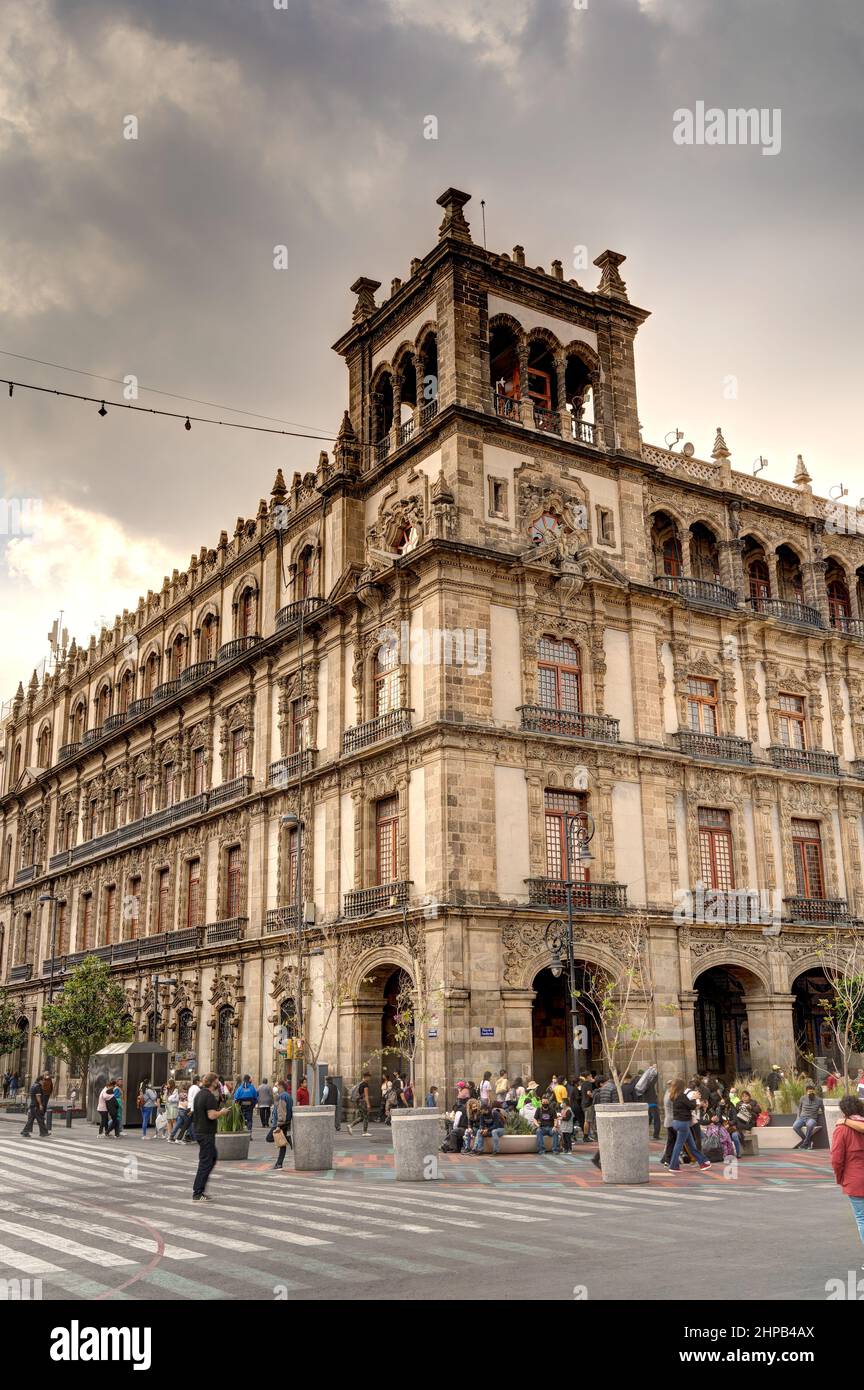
[(688, 450)]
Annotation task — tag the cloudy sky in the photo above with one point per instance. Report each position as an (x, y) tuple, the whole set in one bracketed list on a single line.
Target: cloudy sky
[(304, 125)]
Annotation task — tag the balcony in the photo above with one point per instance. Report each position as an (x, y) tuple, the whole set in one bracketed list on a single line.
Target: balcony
[(197, 672), (547, 421), (396, 721), (27, 874), (114, 721), (719, 748), (850, 627), (508, 408), (300, 608), (137, 829), (55, 966), (166, 690), (284, 770), (788, 611), (233, 929), (229, 651), (538, 719), (362, 901), (153, 945), (586, 897), (187, 939), (230, 791), (19, 973), (59, 861), (817, 909), (123, 951), (583, 431), (382, 449), (697, 590), (67, 751), (281, 919), (140, 706), (812, 760), (428, 412), (406, 431), (91, 736)]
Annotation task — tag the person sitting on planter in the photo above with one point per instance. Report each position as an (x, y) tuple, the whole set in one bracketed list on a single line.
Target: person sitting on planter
[(246, 1097), (747, 1112), (810, 1112), (529, 1102), (489, 1124), (731, 1128), (717, 1142), (544, 1122), (455, 1141)]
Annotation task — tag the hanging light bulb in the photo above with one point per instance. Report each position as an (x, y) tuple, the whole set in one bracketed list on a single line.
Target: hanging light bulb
[(102, 410), (188, 424)]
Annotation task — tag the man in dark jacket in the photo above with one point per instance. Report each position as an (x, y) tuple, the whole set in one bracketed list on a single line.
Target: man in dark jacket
[(811, 1113), (330, 1096), (646, 1090), (545, 1123), (606, 1093)]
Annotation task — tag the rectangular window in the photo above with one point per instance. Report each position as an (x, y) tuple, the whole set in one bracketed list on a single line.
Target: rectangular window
[(791, 721), (61, 932), (116, 812), (565, 815), (293, 849), (132, 909), (715, 849), (110, 913), (92, 818), (238, 753), (24, 954), (87, 922), (386, 831), (605, 526), (232, 883), (702, 705), (140, 798), (298, 726), (558, 675), (197, 771), (387, 679), (497, 497), (807, 856), (163, 906), (193, 892), (68, 829), (168, 784)]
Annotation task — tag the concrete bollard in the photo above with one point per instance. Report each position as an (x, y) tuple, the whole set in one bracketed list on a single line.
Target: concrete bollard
[(623, 1134), (832, 1115), (312, 1134), (417, 1136)]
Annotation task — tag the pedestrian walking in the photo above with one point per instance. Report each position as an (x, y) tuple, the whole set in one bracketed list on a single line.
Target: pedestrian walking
[(206, 1112), (646, 1090), (362, 1098), (13, 1085), (246, 1096), (486, 1089), (386, 1084), (183, 1130), (265, 1103), (773, 1081), (685, 1107), (181, 1123), (106, 1094), (37, 1108), (847, 1155), (115, 1109), (147, 1106), (502, 1086), (302, 1092), (330, 1096), (171, 1099), (282, 1114)]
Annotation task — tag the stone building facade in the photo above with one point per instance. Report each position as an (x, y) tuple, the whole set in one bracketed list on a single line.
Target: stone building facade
[(492, 614)]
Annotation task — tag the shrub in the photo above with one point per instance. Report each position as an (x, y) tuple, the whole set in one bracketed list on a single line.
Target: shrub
[(515, 1124), (233, 1122)]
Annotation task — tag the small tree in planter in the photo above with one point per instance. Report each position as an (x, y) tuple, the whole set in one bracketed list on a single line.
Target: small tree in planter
[(842, 956), (232, 1136), (88, 1014)]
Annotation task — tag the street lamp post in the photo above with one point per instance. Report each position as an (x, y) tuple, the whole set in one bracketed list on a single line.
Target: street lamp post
[(581, 826)]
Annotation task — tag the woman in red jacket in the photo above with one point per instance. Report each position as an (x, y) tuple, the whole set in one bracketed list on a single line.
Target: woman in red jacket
[(847, 1155)]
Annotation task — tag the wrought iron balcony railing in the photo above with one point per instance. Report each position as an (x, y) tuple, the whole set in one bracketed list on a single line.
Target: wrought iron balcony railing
[(697, 590), (547, 421), (396, 721), (788, 611), (539, 719), (59, 860), (115, 721), (281, 919), (300, 608), (153, 945), (817, 909), (20, 972), (238, 646), (57, 966), (91, 736), (67, 751), (382, 449), (428, 412), (850, 627), (722, 748), (230, 791), (406, 431), (508, 408), (812, 760), (586, 897), (284, 770), (186, 939), (232, 929), (27, 874), (140, 706), (197, 672), (166, 690), (361, 901)]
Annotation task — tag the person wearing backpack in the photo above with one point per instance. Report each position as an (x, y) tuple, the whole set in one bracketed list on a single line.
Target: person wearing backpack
[(246, 1097), (717, 1142), (361, 1096), (147, 1105)]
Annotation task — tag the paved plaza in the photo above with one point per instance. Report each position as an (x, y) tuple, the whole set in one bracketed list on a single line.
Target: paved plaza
[(102, 1219)]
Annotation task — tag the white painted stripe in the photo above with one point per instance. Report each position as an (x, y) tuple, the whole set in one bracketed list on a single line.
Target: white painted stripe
[(110, 1234), (24, 1263), (279, 1235), (66, 1247), (369, 1199)]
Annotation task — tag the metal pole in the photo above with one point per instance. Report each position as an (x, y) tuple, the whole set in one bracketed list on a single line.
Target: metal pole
[(570, 961)]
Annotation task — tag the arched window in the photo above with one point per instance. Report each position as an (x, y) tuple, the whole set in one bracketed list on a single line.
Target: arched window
[(666, 544), (103, 705), (178, 649), (127, 691), (43, 754), (151, 674), (207, 639), (839, 602), (304, 572), (184, 1030), (789, 575), (79, 722), (387, 679), (704, 559), (382, 407), (247, 613), (545, 527), (559, 680), (760, 579), (16, 764)]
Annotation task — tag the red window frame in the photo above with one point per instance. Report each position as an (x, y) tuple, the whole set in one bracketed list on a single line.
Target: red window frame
[(61, 944), (239, 744), (561, 808), (792, 721), (807, 857), (168, 784), (110, 912), (716, 854), (559, 675), (702, 704), (839, 603), (193, 892), (86, 921), (759, 577), (233, 871), (298, 736), (162, 903), (387, 679), (206, 640), (198, 771), (134, 907), (386, 840), (247, 613)]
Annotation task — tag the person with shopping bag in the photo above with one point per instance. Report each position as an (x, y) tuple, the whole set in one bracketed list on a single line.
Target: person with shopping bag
[(281, 1123)]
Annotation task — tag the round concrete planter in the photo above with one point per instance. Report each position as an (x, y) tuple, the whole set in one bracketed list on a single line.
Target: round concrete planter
[(417, 1136), (232, 1147), (623, 1134), (313, 1128), (515, 1144)]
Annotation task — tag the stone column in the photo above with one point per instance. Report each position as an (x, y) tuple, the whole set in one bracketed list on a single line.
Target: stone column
[(772, 1036), (688, 999)]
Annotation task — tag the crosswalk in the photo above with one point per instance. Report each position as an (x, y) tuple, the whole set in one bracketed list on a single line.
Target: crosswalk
[(103, 1221)]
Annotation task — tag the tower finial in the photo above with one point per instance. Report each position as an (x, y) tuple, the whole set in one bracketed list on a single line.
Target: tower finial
[(802, 477), (720, 450), (452, 200), (611, 283)]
